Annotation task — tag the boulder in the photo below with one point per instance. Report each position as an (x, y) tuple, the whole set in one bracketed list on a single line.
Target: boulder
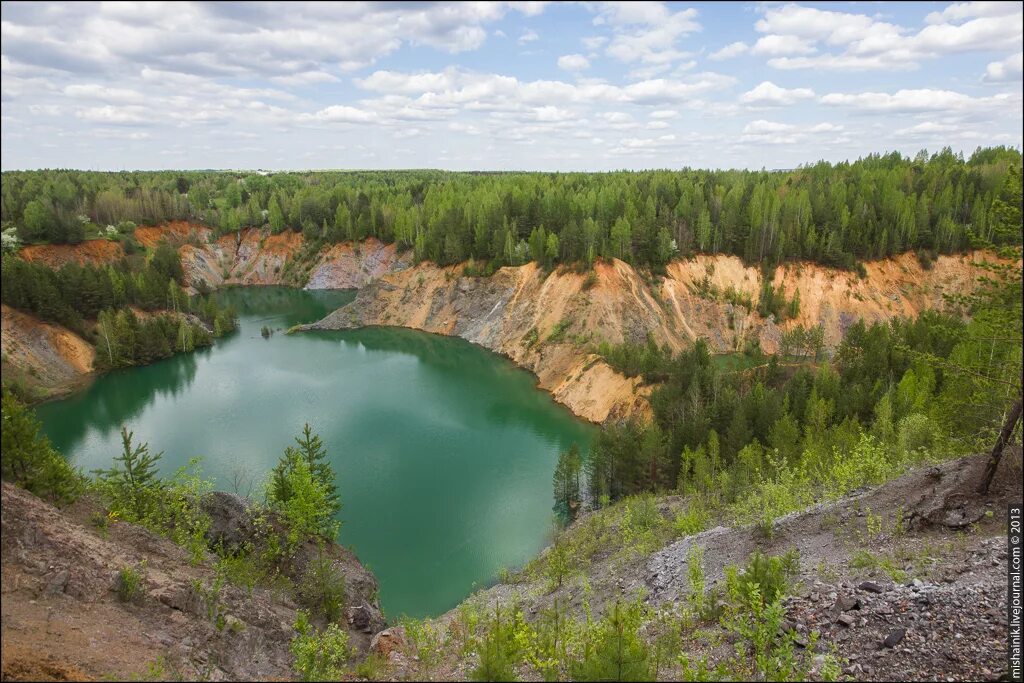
[(388, 641), (365, 618), (231, 520)]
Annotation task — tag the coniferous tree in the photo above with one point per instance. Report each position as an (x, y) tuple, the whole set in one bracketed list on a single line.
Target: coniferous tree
[(567, 483), (311, 451), (27, 458), (133, 482)]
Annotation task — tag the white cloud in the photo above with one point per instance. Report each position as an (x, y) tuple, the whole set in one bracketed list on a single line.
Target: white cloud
[(917, 100), (775, 45), (528, 36), (776, 133), (959, 11), (647, 32), (1008, 70), (573, 62), (210, 39), (927, 128), (123, 115), (767, 94), (305, 78), (729, 51), (339, 113), (664, 114), (92, 91), (454, 87), (867, 43)]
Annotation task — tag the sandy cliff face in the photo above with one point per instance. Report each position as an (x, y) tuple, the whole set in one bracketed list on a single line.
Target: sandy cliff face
[(549, 322), (95, 252), (41, 354), (517, 310)]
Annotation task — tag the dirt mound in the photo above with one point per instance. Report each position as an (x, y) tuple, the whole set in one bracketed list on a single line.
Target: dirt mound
[(93, 252), (62, 617), (44, 356)]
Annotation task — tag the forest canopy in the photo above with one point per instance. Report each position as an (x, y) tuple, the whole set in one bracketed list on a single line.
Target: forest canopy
[(834, 214)]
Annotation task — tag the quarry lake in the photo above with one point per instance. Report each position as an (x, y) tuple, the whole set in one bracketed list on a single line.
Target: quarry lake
[(443, 451)]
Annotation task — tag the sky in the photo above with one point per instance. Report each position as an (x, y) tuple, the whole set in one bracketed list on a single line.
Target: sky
[(503, 85)]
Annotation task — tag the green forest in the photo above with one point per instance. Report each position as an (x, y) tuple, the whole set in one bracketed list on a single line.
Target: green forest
[(835, 214), (100, 304), (772, 438)]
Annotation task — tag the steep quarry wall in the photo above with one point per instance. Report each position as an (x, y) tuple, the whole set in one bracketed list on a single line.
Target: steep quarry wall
[(42, 355), (550, 322)]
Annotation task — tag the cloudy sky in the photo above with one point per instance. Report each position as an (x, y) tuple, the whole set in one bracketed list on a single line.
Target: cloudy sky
[(511, 85)]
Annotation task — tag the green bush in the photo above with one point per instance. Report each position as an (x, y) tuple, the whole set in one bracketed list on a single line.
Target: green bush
[(28, 460), (497, 650), (128, 582), (614, 649), (319, 655), (322, 588), (132, 486), (916, 435), (558, 331), (866, 464)]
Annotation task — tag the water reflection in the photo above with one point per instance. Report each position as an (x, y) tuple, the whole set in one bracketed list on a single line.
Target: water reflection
[(444, 452)]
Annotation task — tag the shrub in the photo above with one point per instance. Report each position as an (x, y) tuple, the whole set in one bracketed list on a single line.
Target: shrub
[(319, 655), (614, 650), (128, 581), (867, 464), (559, 330), (132, 486), (691, 522), (497, 649), (322, 588), (306, 512), (643, 528), (28, 460), (916, 435)]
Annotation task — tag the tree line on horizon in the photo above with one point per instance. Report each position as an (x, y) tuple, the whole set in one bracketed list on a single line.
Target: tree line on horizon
[(835, 214)]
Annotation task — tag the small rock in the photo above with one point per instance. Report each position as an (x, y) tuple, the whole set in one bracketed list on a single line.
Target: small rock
[(846, 620), (894, 638), (871, 587), (359, 617), (846, 603), (388, 641), (57, 582)]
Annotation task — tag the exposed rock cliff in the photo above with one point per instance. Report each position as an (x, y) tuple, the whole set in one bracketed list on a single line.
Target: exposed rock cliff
[(548, 322), (48, 357)]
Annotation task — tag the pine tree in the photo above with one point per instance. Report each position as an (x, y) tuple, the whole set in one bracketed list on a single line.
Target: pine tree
[(567, 483), (28, 459), (133, 482), (617, 652), (494, 651), (310, 449)]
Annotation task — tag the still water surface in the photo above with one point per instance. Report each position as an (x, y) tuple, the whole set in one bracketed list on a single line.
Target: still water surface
[(443, 451)]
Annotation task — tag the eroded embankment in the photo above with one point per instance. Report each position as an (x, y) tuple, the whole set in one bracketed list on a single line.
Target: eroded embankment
[(50, 360), (549, 322), (48, 357), (64, 617)]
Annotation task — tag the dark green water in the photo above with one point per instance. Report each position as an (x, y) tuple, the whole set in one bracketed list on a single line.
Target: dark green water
[(443, 451)]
